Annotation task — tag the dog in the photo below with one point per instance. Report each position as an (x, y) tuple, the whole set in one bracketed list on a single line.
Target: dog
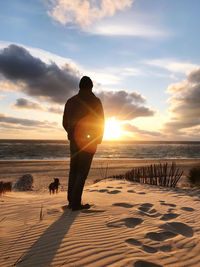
[(53, 187)]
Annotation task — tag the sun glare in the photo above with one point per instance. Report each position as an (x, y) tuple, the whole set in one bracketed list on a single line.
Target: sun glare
[(112, 129)]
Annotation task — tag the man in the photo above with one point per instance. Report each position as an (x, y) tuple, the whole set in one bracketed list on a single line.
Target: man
[(83, 121)]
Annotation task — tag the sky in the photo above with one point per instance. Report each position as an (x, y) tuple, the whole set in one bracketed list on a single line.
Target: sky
[(142, 55)]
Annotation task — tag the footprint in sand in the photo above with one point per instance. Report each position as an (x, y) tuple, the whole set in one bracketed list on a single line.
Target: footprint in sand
[(142, 263), (124, 205), (128, 222), (94, 190), (165, 248), (132, 222), (187, 209), (167, 204), (152, 211), (170, 210), (169, 216), (160, 236), (103, 190), (130, 191), (133, 241), (149, 249), (145, 207), (154, 215), (178, 228), (114, 192)]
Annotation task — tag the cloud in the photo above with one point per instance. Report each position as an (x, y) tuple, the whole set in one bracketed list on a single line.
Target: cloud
[(36, 78), (14, 128), (85, 12), (23, 103), (9, 86), (119, 104), (113, 75), (132, 72), (26, 122), (56, 110), (124, 105), (185, 103), (53, 84), (133, 129), (46, 56), (2, 96), (94, 16), (172, 65), (104, 77), (121, 28)]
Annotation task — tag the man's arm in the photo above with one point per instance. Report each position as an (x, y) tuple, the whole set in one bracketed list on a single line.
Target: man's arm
[(65, 121), (101, 122)]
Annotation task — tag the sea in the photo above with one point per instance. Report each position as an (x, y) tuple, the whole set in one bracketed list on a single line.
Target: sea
[(59, 150)]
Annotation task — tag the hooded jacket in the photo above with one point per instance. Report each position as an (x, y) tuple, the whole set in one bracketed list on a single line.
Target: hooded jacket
[(83, 118)]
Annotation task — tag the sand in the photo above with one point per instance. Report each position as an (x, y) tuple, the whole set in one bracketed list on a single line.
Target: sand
[(129, 224), (44, 171)]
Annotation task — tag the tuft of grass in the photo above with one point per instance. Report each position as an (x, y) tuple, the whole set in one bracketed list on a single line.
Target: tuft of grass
[(194, 176), (41, 213), (103, 171)]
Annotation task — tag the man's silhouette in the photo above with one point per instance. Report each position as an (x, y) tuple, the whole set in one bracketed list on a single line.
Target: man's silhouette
[(83, 121)]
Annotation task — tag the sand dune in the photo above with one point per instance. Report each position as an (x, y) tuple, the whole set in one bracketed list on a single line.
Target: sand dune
[(129, 224)]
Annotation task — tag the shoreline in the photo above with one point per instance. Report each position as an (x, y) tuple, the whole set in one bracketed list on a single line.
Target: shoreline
[(101, 159)]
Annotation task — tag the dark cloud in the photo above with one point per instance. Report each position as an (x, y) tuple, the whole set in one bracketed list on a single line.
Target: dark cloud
[(133, 129), (185, 103), (53, 84), (124, 105), (40, 79), (7, 128), (23, 103), (56, 110), (26, 122)]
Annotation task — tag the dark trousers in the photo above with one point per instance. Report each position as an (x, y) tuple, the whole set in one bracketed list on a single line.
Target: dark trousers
[(80, 163)]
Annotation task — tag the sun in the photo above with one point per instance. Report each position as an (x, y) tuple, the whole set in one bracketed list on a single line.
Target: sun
[(112, 129)]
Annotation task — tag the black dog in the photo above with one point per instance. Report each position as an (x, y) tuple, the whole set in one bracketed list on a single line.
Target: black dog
[(53, 187)]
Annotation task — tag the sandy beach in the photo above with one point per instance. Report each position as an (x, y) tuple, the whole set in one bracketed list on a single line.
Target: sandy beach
[(44, 171), (129, 224)]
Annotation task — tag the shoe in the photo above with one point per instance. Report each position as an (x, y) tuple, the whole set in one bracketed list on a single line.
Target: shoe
[(85, 206), (69, 206), (81, 207)]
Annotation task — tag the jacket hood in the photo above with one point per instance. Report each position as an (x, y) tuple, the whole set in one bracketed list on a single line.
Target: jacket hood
[(86, 94)]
